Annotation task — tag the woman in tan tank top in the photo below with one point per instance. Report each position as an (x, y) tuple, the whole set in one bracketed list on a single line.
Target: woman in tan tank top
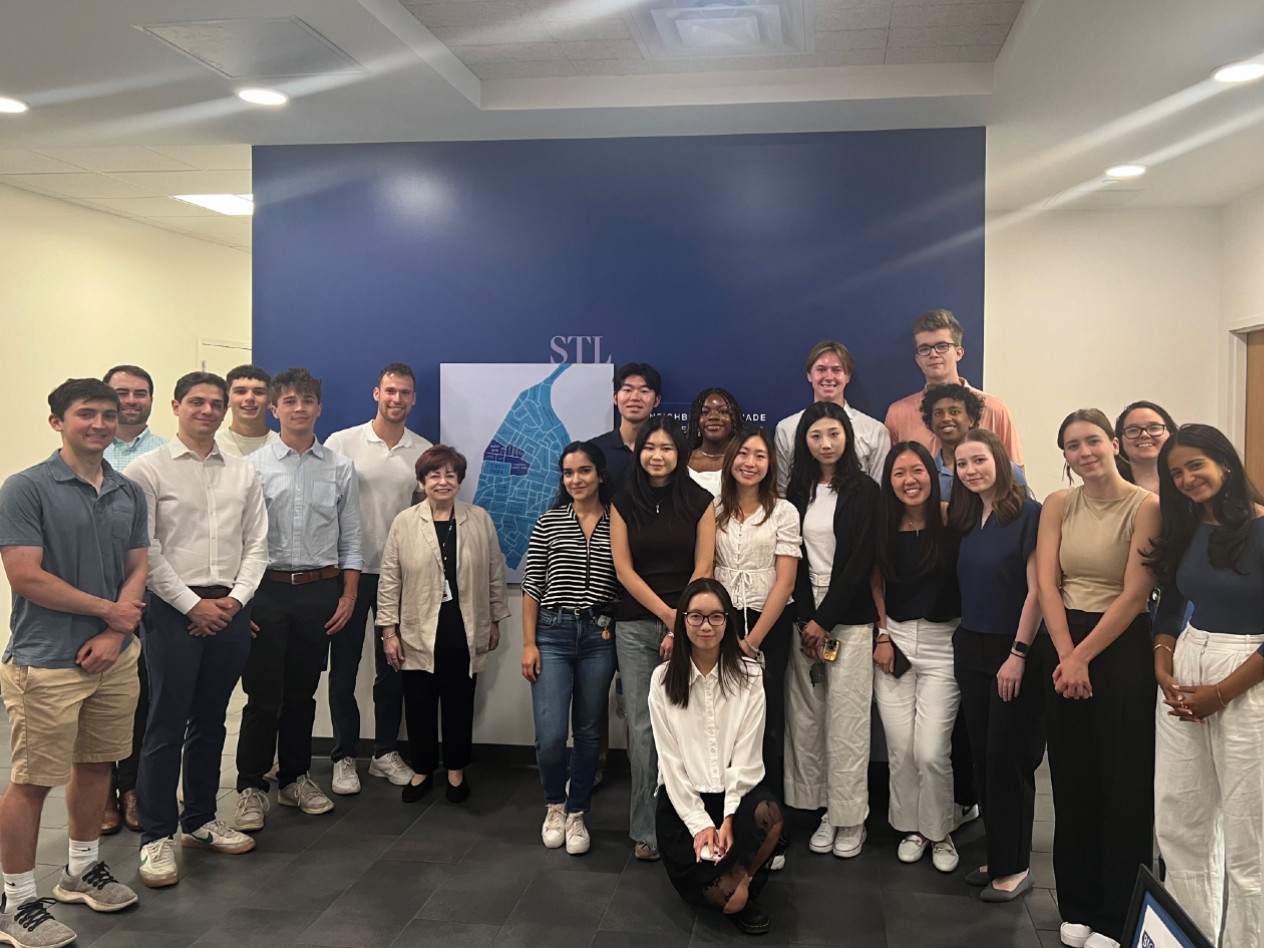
[(1099, 691)]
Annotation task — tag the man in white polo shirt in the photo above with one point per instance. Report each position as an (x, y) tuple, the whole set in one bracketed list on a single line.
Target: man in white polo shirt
[(385, 454)]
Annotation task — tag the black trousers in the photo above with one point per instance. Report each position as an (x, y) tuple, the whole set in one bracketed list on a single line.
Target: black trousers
[(1007, 742), (964, 792), (281, 677), (776, 648), (1101, 761), (125, 771), (448, 689)]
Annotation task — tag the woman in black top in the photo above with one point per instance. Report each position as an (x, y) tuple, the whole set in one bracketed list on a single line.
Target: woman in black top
[(662, 535), (919, 607)]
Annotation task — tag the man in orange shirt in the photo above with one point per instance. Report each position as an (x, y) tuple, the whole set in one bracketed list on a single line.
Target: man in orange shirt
[(937, 340)]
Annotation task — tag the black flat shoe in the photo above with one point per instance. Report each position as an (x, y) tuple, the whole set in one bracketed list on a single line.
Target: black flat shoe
[(991, 893), (460, 792), (978, 878), (752, 920), (412, 792)]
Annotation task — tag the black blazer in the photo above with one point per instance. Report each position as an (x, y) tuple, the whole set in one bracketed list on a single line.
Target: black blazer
[(849, 600)]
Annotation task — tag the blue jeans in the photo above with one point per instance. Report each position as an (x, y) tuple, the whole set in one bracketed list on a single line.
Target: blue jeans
[(576, 667), (637, 644)]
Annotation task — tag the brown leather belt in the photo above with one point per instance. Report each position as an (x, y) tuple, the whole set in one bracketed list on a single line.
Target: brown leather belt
[(302, 577), (212, 592)]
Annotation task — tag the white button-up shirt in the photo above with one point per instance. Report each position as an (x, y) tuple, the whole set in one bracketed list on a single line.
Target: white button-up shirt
[(746, 553), (715, 745), (207, 523), (873, 441), (386, 478)]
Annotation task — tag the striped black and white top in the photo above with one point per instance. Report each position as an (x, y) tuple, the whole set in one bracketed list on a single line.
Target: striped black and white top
[(565, 569)]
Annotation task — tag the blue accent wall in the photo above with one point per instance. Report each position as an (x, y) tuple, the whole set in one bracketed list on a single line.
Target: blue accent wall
[(720, 260)]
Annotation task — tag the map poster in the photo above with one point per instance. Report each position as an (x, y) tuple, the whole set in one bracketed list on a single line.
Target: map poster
[(511, 421)]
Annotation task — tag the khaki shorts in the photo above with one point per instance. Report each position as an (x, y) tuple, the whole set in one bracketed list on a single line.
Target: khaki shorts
[(62, 715)]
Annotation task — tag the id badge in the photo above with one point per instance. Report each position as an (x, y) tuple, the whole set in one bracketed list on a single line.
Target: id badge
[(447, 591)]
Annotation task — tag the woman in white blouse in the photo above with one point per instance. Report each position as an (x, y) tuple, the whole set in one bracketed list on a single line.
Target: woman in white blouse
[(757, 548), (717, 823)]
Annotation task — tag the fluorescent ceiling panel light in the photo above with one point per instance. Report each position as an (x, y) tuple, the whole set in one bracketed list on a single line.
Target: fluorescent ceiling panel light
[(730, 32), (1126, 171), (1239, 72), (262, 96), (12, 106), (234, 205)]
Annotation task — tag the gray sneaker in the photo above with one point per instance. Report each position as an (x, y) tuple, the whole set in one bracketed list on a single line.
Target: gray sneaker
[(304, 794), (96, 888), (252, 805), (31, 926)]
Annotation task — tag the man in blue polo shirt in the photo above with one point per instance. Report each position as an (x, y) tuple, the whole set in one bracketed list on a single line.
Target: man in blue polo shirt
[(74, 542)]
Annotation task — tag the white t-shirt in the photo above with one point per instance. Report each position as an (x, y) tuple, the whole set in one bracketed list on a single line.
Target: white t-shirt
[(819, 539), (873, 441), (238, 445), (708, 479)]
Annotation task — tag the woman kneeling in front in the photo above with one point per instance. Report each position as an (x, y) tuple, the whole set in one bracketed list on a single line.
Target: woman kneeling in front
[(717, 823)]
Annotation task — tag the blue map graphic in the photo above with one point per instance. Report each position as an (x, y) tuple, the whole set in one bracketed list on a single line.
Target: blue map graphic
[(519, 477)]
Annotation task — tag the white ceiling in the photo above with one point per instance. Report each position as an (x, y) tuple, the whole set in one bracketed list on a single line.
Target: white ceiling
[(121, 120)]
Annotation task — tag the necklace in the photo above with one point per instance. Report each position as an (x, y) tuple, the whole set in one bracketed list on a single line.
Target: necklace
[(708, 454)]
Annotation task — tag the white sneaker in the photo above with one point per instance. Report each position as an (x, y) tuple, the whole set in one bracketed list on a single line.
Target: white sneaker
[(849, 841), (822, 841), (553, 832), (912, 848), (1098, 940), (392, 767), (346, 781), (252, 804), (964, 815), (577, 838), (214, 835), (304, 794), (1072, 935), (943, 855), (158, 867)]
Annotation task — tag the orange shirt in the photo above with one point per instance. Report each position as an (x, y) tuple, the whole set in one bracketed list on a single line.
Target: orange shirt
[(904, 421)]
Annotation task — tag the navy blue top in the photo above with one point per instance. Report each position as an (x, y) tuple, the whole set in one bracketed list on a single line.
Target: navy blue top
[(992, 571), (618, 457), (933, 595), (1225, 600)]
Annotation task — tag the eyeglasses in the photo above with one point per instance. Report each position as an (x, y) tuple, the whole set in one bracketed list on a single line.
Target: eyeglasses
[(1133, 432), (939, 348), (714, 620)]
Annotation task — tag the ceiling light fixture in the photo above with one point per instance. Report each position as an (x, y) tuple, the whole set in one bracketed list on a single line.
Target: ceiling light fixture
[(12, 106), (234, 205), (262, 96), (1123, 172), (1239, 72)]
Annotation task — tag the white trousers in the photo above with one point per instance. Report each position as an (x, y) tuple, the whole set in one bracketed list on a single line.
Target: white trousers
[(1209, 795), (827, 729), (918, 711)]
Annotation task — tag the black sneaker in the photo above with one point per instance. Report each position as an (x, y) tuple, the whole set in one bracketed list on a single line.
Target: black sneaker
[(31, 925), (752, 920)]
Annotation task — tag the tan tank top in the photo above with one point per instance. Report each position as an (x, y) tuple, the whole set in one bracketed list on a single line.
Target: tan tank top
[(1096, 537)]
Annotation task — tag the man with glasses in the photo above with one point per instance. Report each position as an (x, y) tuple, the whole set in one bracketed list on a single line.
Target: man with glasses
[(829, 367), (937, 347)]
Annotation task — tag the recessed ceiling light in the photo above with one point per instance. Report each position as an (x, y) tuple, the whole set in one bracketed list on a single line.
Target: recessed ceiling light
[(262, 96), (1126, 171), (1239, 72), (12, 106), (235, 205)]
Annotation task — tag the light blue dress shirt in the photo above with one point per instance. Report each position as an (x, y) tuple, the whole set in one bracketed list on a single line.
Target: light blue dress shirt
[(122, 453), (313, 507)]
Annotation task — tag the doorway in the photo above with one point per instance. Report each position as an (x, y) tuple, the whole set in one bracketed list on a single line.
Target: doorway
[(1255, 407)]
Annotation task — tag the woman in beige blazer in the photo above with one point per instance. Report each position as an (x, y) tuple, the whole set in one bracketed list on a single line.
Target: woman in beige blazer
[(441, 598)]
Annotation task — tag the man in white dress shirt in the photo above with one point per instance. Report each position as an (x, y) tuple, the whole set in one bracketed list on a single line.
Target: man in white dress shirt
[(208, 549), (829, 368), (385, 454)]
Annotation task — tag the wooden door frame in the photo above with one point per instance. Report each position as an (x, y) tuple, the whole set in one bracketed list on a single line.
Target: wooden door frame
[(1233, 376)]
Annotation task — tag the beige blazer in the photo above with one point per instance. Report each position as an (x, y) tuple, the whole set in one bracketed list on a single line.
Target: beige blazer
[(410, 584)]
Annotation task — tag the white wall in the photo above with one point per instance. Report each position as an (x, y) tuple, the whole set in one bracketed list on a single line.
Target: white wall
[(1097, 309), (1242, 279)]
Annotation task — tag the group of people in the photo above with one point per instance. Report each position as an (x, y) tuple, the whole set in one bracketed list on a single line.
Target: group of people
[(758, 594)]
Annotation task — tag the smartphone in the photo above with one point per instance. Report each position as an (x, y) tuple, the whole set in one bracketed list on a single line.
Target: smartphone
[(829, 652)]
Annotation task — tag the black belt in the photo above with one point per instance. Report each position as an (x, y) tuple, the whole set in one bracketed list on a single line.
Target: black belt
[(212, 592)]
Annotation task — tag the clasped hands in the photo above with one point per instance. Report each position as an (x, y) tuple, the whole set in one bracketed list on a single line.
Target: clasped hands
[(1192, 703), (719, 842), (1070, 678), (211, 615)]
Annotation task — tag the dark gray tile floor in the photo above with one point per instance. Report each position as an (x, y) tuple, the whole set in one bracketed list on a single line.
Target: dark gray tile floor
[(376, 872)]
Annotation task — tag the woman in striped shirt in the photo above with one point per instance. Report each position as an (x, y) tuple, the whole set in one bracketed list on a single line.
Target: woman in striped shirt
[(569, 588)]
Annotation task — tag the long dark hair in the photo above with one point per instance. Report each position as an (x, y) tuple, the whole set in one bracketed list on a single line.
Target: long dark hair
[(1123, 462), (805, 470), (734, 671), (728, 483), (693, 431), (605, 490), (638, 486), (966, 507), (1233, 507), (934, 538)]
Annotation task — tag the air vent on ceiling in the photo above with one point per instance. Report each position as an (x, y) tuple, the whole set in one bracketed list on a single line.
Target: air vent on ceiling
[(256, 47), (677, 29)]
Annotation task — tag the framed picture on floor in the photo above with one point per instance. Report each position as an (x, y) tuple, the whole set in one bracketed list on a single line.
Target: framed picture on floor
[(1155, 920)]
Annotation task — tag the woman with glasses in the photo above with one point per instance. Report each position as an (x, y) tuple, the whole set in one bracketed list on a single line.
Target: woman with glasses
[(1209, 773), (568, 595), (662, 537), (1143, 428), (714, 418), (1099, 698), (717, 822)]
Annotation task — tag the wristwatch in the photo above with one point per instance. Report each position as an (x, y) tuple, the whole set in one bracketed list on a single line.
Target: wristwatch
[(1019, 648)]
